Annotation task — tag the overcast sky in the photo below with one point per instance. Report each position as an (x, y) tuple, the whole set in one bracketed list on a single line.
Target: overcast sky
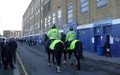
[(11, 12)]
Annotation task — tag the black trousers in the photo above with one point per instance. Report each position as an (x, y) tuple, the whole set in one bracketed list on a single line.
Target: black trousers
[(8, 62)]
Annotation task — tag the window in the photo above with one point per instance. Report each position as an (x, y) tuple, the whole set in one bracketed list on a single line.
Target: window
[(59, 14), (70, 13), (32, 10), (101, 3), (84, 6), (41, 24), (54, 18), (45, 22), (49, 20), (46, 7)]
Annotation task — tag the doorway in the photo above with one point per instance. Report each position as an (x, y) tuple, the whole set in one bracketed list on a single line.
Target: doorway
[(97, 42), (108, 38)]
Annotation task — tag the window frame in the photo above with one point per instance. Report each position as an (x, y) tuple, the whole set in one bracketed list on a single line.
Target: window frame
[(59, 17), (101, 4), (84, 6), (54, 18), (70, 13)]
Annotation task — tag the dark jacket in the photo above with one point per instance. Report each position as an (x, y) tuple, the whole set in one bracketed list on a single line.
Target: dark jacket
[(107, 45), (13, 45), (8, 52)]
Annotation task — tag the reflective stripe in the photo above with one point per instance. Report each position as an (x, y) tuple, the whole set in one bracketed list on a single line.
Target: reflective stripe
[(72, 45), (52, 46)]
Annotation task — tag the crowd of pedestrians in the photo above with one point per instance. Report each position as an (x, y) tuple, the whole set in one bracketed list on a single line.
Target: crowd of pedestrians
[(8, 53), (30, 42)]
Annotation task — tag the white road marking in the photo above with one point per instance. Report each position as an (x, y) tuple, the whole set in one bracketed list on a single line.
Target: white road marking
[(24, 70)]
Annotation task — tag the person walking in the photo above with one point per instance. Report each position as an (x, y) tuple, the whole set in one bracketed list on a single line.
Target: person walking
[(107, 52), (13, 45)]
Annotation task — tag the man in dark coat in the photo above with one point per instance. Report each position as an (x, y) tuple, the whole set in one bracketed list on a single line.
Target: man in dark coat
[(8, 56), (13, 47)]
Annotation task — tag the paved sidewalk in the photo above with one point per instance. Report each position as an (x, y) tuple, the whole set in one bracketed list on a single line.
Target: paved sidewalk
[(113, 60)]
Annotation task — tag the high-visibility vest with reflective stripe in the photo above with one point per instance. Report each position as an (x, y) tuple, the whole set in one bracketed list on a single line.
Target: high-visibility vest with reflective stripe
[(72, 45), (52, 46)]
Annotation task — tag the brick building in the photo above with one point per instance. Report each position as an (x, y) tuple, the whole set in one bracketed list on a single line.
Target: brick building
[(95, 21), (12, 34)]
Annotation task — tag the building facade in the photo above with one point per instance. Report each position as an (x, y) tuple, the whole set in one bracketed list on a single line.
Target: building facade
[(12, 34), (95, 21)]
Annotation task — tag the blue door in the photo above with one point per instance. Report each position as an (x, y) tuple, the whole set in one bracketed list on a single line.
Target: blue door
[(97, 42)]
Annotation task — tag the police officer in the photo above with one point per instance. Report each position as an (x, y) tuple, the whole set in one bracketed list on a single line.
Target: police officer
[(71, 35), (53, 33)]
